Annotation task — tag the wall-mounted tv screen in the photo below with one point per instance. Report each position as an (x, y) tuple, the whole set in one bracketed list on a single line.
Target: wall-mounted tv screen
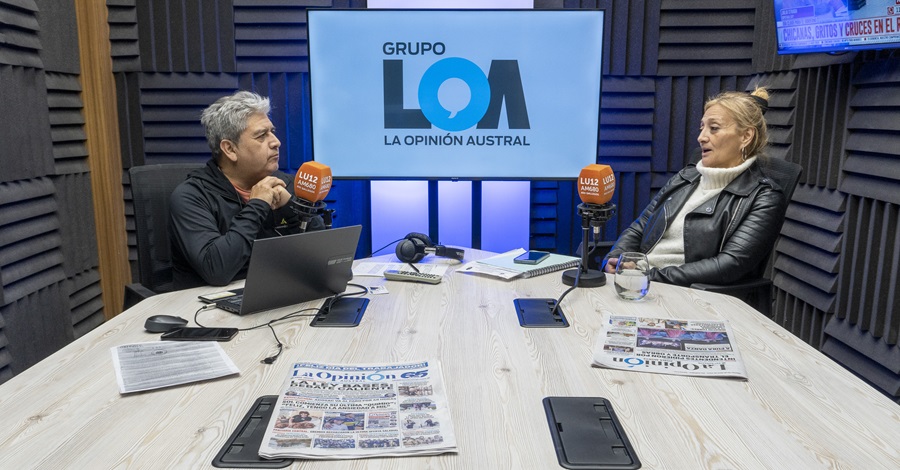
[(836, 25), (455, 94)]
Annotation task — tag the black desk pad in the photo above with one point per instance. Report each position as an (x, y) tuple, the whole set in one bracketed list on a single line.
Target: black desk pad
[(538, 313), (587, 435), (345, 312), (242, 448)]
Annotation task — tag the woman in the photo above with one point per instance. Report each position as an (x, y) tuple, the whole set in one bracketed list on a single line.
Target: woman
[(714, 222)]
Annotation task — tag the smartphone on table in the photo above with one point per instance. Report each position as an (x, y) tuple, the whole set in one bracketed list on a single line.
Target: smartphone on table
[(531, 257), (187, 333), (215, 296)]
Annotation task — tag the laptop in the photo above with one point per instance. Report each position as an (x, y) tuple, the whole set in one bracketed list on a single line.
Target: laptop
[(297, 268)]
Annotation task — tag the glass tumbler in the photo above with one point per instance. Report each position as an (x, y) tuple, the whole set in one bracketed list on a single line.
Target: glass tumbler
[(632, 281)]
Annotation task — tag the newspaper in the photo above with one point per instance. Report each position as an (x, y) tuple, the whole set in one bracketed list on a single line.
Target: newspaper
[(159, 364), (331, 411), (700, 348)]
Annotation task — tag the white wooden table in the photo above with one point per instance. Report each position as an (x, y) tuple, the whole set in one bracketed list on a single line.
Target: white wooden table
[(798, 410)]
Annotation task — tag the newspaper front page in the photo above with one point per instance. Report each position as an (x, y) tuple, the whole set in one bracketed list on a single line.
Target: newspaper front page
[(702, 348), (334, 411)]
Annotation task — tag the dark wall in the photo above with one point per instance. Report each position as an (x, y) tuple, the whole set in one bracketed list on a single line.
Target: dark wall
[(49, 278)]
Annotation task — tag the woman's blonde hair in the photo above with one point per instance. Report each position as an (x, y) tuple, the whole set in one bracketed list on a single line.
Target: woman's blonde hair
[(747, 111)]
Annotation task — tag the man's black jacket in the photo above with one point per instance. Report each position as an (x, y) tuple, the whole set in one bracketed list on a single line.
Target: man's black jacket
[(211, 231)]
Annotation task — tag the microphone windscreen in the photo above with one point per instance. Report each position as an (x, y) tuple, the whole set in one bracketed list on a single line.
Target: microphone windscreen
[(313, 181), (596, 184)]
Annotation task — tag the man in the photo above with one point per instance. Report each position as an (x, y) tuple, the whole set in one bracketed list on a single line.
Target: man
[(238, 197)]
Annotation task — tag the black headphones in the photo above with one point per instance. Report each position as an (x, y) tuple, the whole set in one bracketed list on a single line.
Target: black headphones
[(416, 245)]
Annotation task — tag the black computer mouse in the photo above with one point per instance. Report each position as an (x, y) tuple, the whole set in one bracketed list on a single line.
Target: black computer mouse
[(163, 323)]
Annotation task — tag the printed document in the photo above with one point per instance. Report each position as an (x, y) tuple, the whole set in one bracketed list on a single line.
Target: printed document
[(158, 364)]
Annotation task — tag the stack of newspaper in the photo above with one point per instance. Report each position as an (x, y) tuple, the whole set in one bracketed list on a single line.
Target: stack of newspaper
[(334, 411), (701, 348)]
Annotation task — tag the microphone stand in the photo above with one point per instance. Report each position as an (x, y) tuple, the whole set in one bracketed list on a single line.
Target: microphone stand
[(307, 210), (593, 216)]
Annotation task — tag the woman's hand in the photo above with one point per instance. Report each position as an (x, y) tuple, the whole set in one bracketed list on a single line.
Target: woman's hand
[(610, 266)]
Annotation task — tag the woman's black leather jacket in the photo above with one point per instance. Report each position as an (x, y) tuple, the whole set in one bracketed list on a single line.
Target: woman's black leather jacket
[(726, 239)]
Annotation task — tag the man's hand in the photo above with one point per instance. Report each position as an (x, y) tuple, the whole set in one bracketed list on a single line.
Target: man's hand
[(272, 190)]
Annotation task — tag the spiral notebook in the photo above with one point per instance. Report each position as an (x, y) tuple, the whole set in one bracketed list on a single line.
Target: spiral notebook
[(503, 266)]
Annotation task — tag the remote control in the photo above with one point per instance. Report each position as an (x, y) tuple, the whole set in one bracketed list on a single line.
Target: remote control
[(394, 275)]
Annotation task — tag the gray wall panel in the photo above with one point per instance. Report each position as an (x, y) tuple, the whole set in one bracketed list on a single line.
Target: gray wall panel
[(27, 149), (58, 31), (626, 132), (800, 318), (85, 301), (170, 112), (872, 168), (19, 29), (270, 35), (177, 36), (66, 123), (6, 370), (822, 102), (46, 211), (30, 241), (807, 255), (33, 324), (707, 38), (123, 35), (76, 215), (870, 284), (131, 126)]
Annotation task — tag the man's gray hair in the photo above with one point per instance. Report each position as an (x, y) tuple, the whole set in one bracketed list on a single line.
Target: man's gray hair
[(226, 119)]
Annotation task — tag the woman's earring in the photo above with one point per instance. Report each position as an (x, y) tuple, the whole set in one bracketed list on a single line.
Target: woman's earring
[(743, 154)]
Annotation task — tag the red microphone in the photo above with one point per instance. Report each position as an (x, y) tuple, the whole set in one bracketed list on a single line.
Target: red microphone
[(313, 181), (311, 185), (596, 184)]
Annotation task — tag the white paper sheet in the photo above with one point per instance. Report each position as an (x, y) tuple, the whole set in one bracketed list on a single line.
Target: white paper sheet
[(152, 365)]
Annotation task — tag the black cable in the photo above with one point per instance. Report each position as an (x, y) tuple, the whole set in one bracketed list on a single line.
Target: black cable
[(202, 308), (564, 294), (299, 313), (272, 358), (326, 307), (389, 244)]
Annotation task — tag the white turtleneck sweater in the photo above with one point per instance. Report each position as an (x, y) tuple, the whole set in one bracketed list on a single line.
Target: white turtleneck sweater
[(670, 249)]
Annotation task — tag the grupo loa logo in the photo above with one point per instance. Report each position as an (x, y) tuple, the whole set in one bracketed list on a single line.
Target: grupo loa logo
[(454, 93)]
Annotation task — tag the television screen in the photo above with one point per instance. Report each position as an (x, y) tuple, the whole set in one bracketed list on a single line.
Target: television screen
[(836, 25), (455, 94)]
